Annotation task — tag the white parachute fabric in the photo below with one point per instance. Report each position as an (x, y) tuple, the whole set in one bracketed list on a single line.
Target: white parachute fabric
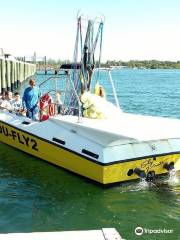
[(98, 107)]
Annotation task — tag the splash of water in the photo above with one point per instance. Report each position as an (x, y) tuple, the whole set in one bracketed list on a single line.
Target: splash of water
[(143, 184), (173, 179)]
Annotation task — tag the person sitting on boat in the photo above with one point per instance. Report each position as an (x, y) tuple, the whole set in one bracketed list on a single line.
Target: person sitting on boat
[(99, 90), (17, 103), (7, 102), (1, 100), (30, 100), (2, 97), (102, 92)]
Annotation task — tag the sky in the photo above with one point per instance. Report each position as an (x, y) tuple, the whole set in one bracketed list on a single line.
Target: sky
[(133, 29)]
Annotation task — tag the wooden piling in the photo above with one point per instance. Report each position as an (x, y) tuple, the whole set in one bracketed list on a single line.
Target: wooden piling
[(13, 73), (3, 76), (8, 75), (0, 75)]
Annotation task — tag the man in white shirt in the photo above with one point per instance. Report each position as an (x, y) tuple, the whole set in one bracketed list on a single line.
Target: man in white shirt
[(6, 103)]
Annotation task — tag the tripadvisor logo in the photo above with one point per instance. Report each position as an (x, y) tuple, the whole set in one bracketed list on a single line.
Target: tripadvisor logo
[(138, 231)]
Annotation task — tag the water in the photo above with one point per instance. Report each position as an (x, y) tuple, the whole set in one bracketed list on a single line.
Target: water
[(36, 196)]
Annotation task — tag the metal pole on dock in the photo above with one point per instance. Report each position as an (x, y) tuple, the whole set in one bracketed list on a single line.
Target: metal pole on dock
[(34, 60), (45, 62)]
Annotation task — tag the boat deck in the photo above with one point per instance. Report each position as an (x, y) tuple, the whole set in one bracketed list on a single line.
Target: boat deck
[(128, 126)]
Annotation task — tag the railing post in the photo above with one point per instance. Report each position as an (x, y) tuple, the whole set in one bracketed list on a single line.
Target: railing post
[(113, 88)]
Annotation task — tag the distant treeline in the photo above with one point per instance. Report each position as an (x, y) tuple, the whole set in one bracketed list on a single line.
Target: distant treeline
[(149, 64)]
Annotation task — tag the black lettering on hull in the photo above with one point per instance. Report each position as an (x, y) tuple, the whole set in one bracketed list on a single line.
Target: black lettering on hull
[(26, 140), (5, 131), (34, 146), (18, 137)]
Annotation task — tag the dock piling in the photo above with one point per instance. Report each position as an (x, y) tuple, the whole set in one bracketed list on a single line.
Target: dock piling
[(13, 73), (3, 75)]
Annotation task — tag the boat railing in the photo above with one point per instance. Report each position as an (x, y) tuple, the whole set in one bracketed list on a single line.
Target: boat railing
[(109, 70), (49, 78), (45, 90)]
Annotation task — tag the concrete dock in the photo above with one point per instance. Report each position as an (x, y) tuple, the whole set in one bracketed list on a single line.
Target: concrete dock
[(103, 234)]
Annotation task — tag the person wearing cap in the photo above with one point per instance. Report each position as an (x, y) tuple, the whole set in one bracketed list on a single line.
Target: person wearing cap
[(30, 100)]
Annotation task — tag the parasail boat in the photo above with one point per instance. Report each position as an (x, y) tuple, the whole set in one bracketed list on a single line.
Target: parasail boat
[(89, 135)]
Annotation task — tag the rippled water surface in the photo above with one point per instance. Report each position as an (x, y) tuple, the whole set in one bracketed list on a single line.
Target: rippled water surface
[(36, 196)]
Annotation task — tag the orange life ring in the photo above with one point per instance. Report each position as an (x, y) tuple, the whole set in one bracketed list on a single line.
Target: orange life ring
[(51, 109)]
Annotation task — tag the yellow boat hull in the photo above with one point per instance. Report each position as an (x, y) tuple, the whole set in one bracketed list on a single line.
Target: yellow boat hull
[(77, 163)]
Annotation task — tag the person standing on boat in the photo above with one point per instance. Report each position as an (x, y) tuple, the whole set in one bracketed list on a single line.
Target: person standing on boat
[(59, 102), (30, 100)]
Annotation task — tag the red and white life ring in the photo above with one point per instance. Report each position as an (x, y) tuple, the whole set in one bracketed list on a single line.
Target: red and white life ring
[(47, 108), (45, 100)]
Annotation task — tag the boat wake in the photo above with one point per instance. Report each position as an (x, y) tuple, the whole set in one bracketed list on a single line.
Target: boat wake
[(141, 185), (173, 179)]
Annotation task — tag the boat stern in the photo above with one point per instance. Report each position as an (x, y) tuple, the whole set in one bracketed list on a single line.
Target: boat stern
[(140, 160)]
